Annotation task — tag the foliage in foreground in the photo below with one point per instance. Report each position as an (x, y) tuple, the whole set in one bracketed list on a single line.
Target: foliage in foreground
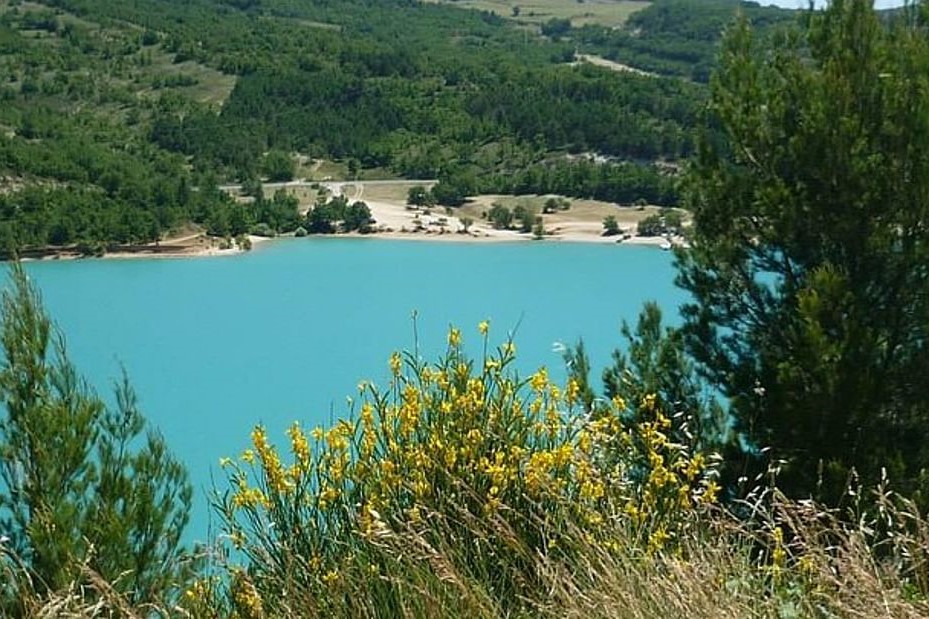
[(89, 501), (463, 490)]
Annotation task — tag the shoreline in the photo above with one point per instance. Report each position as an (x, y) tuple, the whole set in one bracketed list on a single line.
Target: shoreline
[(169, 252), (206, 247), (397, 222)]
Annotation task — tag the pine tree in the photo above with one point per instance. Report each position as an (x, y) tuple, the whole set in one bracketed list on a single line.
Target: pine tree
[(810, 261), (84, 488)]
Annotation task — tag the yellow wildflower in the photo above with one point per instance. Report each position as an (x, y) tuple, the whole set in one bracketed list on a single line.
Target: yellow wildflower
[(330, 577), (657, 540), (274, 471), (572, 391), (483, 327), (648, 402), (694, 466), (414, 514), (300, 447), (710, 493), (779, 554), (592, 490), (245, 595), (584, 442)]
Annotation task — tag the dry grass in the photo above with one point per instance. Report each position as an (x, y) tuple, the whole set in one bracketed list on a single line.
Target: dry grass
[(393, 193), (91, 597), (610, 13), (724, 570), (322, 170), (582, 213)]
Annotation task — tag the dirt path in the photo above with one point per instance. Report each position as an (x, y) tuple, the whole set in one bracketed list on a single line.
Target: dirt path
[(609, 64)]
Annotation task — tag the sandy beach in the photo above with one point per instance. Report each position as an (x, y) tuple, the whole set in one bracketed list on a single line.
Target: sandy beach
[(581, 223), (393, 219), (398, 222)]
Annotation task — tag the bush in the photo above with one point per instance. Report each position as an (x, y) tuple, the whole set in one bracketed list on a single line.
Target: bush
[(538, 229), (420, 196), (610, 226), (357, 217), (525, 216), (556, 204), (556, 28), (500, 216), (456, 450), (278, 166), (651, 226), (263, 229)]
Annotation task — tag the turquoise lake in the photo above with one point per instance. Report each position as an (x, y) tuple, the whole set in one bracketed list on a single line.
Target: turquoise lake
[(215, 345)]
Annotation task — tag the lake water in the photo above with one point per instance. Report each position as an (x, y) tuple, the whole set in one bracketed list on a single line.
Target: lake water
[(215, 345)]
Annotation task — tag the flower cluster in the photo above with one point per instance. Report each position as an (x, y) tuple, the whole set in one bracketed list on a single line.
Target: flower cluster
[(468, 439)]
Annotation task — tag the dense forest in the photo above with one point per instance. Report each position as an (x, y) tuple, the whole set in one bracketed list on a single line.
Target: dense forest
[(120, 118)]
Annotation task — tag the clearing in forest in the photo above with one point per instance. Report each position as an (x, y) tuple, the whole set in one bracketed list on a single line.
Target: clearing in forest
[(609, 13)]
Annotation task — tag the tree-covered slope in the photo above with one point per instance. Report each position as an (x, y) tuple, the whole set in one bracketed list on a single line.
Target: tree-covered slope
[(119, 116)]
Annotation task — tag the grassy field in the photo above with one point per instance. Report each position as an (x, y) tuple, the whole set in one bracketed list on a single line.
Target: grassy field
[(394, 193), (321, 169), (610, 13), (591, 212)]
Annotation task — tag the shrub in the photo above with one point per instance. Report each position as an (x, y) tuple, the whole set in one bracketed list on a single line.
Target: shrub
[(610, 226), (456, 450), (525, 216), (538, 229), (263, 229), (500, 216)]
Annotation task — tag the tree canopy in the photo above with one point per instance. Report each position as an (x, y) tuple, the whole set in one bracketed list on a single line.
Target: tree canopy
[(808, 266)]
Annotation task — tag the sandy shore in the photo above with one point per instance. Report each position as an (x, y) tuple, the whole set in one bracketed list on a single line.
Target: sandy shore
[(199, 246), (446, 234), (397, 221), (394, 220)]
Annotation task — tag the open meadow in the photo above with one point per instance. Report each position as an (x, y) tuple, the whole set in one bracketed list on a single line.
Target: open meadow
[(609, 13)]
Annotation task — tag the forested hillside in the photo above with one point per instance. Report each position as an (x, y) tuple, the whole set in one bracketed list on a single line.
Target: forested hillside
[(120, 117), (677, 37)]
